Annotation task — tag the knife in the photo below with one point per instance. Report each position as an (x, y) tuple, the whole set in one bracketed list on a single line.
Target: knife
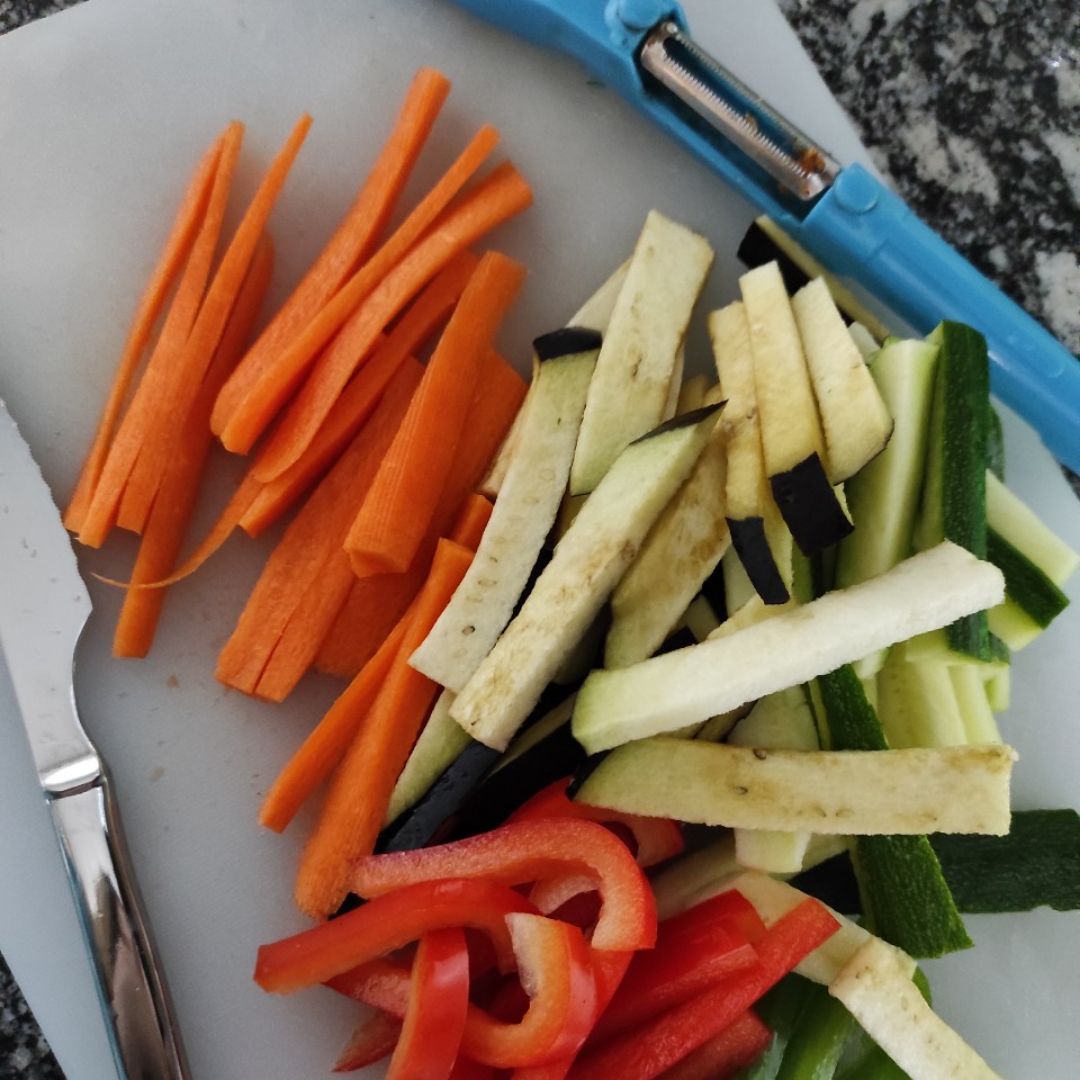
[(44, 606), (844, 216)]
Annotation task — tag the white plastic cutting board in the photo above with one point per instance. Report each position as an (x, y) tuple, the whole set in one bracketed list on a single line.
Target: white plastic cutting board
[(103, 111)]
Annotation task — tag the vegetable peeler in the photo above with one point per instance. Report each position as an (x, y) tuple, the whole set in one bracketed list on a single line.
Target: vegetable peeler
[(854, 225)]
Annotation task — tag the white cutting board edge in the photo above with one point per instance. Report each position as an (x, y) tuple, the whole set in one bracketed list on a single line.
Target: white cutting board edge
[(86, 100)]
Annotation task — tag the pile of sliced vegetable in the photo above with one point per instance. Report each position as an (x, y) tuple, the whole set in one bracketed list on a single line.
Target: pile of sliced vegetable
[(577, 615)]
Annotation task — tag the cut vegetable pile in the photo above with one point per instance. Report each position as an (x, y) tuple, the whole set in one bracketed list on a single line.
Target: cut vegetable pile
[(574, 615)]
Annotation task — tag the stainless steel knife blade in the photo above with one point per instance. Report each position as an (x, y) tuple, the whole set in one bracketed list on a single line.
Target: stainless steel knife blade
[(44, 606)]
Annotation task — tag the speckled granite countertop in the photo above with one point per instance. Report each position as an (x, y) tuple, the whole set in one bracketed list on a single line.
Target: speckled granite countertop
[(971, 106)]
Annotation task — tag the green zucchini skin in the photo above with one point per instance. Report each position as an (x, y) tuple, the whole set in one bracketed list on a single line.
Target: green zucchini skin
[(903, 890), (751, 543), (820, 1036), (809, 506), (954, 488), (780, 1010), (995, 444), (1036, 865), (1025, 584)]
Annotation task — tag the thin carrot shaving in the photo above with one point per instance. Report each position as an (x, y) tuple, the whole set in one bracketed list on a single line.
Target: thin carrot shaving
[(501, 195), (137, 424), (352, 242), (187, 373), (396, 515), (321, 751), (255, 506), (178, 244), (297, 563), (172, 510), (280, 379), (360, 791)]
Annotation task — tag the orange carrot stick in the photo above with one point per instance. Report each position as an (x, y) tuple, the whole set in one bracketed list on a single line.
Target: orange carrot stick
[(320, 752), (471, 522), (354, 406), (375, 602), (175, 503), (104, 507), (353, 240), (298, 644), (320, 606), (188, 371), (360, 791), (397, 512), (255, 506), (177, 248), (364, 621), (280, 378), (503, 194), (297, 562)]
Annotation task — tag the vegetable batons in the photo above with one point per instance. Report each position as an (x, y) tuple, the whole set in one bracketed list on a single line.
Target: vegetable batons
[(630, 388), (588, 562), (668, 692), (854, 419), (524, 512), (791, 435), (954, 789), (758, 534), (680, 552)]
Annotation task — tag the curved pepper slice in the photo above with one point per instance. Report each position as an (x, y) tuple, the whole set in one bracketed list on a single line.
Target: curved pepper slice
[(555, 967), (609, 968), (657, 839), (380, 927), (437, 1007), (530, 851), (566, 981)]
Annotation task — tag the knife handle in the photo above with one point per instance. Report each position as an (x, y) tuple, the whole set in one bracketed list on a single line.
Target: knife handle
[(135, 1000)]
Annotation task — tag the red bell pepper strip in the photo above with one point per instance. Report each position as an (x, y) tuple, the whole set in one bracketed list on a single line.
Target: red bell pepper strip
[(438, 1003), (555, 967), (672, 973), (374, 1039), (736, 1047), (380, 927), (530, 851), (553, 961), (656, 839), (382, 984), (609, 968), (730, 908), (576, 892), (648, 1050)]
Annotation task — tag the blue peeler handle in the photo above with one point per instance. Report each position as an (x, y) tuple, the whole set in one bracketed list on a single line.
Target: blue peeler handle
[(863, 230), (859, 229)]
